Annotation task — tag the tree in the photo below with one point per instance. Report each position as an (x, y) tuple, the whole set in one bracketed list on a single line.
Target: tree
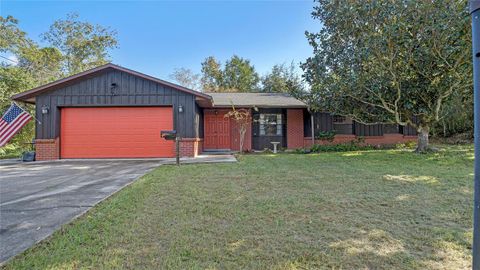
[(242, 118), (389, 61), (82, 44), (282, 79), (185, 77), (239, 75), (212, 77)]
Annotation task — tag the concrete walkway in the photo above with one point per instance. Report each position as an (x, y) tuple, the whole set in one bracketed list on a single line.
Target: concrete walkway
[(37, 198)]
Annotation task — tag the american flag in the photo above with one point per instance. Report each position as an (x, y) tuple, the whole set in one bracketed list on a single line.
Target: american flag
[(11, 122)]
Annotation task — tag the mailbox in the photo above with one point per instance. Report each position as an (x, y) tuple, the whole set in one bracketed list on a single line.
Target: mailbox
[(168, 134)]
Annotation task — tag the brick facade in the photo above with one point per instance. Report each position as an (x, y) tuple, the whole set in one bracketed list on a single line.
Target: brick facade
[(294, 128), (47, 149), (190, 147)]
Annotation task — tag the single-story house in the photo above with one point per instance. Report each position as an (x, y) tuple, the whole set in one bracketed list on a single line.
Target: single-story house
[(114, 112)]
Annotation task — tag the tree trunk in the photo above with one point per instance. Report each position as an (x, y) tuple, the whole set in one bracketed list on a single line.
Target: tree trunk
[(422, 141), (242, 137)]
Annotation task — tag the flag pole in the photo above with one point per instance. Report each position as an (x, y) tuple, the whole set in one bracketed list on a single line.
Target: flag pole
[(34, 116), (475, 14)]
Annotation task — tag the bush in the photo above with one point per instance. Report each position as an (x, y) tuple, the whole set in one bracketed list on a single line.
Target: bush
[(342, 147), (326, 136), (11, 150)]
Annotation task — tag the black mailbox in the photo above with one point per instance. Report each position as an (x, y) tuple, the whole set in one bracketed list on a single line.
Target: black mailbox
[(168, 134)]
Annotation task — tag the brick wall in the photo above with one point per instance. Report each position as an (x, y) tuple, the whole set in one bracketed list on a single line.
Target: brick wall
[(47, 149), (190, 147), (294, 128)]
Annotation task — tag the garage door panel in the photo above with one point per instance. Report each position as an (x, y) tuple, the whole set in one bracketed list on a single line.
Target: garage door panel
[(126, 132)]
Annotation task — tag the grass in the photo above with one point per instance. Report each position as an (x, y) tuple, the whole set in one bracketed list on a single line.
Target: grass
[(383, 209)]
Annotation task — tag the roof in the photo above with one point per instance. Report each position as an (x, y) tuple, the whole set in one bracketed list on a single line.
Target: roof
[(28, 95), (265, 100)]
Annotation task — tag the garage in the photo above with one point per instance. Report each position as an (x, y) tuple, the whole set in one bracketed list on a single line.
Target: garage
[(115, 132), (114, 112)]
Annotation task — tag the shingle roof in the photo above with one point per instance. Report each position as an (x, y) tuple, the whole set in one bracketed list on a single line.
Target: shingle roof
[(266, 100)]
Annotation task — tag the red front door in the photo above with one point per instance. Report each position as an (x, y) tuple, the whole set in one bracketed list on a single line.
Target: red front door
[(216, 129)]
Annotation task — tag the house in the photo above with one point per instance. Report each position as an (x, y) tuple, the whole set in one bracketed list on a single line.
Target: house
[(114, 112)]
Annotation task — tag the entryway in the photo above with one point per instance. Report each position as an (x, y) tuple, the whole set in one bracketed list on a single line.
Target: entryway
[(216, 129)]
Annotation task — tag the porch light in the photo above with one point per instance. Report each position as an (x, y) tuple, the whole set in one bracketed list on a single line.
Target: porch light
[(45, 109), (180, 108)]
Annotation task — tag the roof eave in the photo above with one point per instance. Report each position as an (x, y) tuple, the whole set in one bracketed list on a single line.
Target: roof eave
[(24, 96)]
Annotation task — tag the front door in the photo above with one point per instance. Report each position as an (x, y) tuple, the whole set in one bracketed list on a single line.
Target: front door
[(217, 130)]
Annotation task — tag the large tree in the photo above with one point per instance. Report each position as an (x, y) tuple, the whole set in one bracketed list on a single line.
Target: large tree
[(212, 75), (26, 64), (83, 45), (187, 78), (389, 61), (237, 75), (283, 79)]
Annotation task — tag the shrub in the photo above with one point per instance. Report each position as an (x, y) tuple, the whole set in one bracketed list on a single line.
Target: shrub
[(342, 147), (326, 135)]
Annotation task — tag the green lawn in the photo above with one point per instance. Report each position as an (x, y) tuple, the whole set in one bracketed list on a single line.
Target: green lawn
[(386, 209)]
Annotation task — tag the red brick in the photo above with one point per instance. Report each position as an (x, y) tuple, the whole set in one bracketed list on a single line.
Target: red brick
[(190, 147), (47, 149)]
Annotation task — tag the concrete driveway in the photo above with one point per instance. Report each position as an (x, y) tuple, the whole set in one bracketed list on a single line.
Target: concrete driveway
[(37, 198)]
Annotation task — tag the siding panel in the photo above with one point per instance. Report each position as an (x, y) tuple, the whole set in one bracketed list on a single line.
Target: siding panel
[(131, 91)]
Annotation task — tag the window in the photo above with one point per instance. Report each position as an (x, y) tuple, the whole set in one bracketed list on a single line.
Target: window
[(339, 119), (270, 124)]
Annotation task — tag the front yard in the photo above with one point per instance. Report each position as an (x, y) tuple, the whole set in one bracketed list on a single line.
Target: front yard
[(381, 209)]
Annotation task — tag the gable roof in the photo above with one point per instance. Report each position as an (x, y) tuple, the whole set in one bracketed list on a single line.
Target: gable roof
[(265, 100), (28, 95)]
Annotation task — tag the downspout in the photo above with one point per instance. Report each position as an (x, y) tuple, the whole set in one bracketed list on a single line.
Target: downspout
[(313, 125)]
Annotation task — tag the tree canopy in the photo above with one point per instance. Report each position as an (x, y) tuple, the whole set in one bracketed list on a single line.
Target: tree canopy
[(83, 45), (389, 61), (283, 79), (237, 75), (72, 46)]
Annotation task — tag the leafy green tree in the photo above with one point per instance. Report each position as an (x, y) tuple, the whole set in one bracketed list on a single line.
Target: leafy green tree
[(283, 79), (187, 78), (212, 75), (390, 61), (82, 44), (240, 76), (237, 75)]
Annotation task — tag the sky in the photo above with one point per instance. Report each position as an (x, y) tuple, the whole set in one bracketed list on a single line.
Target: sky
[(155, 37)]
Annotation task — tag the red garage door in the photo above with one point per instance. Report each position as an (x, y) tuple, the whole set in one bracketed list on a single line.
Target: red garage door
[(118, 132)]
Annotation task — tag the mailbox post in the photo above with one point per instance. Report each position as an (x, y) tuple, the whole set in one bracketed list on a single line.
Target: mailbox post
[(172, 135)]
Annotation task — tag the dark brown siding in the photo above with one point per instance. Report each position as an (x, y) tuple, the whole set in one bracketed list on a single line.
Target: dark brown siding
[(323, 122), (131, 91), (368, 130)]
